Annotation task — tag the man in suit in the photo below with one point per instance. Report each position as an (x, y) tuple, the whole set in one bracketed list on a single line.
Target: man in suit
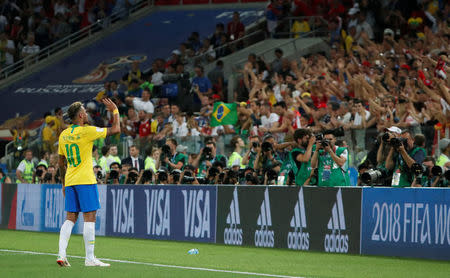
[(134, 160)]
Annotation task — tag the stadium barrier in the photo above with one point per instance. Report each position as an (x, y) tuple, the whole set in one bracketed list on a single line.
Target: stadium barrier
[(409, 222)]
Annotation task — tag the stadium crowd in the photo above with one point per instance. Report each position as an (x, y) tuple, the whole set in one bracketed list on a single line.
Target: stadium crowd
[(26, 26), (377, 103)]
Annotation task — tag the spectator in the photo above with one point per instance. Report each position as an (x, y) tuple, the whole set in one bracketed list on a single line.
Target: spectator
[(144, 102), (217, 78), (216, 37), (7, 50), (134, 160), (49, 137), (25, 170), (30, 50), (134, 74), (179, 126), (276, 65), (235, 28), (201, 83)]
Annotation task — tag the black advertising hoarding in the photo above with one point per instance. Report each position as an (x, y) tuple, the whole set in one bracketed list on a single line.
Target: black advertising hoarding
[(307, 218)]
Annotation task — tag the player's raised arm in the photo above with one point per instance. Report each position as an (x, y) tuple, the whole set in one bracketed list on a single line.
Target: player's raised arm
[(111, 106)]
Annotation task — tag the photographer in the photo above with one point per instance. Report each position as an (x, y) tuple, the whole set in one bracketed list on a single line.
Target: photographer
[(426, 179), (162, 176), (133, 176), (207, 157), (114, 174), (331, 162), (188, 175), (39, 174), (403, 154), (266, 157), (300, 157), (146, 177), (250, 156), (51, 176), (170, 158), (98, 173)]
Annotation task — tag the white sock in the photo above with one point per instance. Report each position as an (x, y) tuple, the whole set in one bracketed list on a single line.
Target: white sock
[(89, 239), (64, 236)]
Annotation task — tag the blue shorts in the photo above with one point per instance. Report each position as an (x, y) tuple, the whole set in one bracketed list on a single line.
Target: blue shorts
[(82, 198)]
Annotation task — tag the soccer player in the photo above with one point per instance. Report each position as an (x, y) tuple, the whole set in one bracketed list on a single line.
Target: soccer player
[(78, 183)]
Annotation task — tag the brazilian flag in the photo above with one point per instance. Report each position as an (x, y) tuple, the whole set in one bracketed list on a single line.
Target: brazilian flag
[(224, 114)]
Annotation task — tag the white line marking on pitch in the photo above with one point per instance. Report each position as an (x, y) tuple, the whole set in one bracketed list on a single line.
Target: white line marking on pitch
[(159, 265)]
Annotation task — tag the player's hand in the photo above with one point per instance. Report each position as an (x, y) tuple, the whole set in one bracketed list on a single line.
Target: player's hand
[(110, 105)]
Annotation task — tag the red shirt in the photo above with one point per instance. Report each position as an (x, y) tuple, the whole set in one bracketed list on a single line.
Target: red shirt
[(235, 29), (145, 128)]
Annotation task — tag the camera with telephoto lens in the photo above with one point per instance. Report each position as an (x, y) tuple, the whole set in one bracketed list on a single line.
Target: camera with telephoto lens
[(385, 137), (48, 177), (147, 176), (39, 173), (321, 140), (113, 175), (207, 153), (266, 147), (161, 175), (271, 175), (255, 145), (438, 171), (132, 177), (176, 174), (419, 169), (374, 176), (188, 177), (397, 142), (165, 152), (99, 175), (213, 172)]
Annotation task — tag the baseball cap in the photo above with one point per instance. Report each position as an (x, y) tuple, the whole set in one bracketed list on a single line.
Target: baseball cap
[(388, 31), (176, 51), (443, 143), (394, 129), (17, 18)]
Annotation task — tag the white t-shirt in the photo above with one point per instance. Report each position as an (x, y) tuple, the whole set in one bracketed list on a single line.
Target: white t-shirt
[(268, 122), (157, 79), (179, 130), (358, 118), (8, 56), (30, 49), (147, 106)]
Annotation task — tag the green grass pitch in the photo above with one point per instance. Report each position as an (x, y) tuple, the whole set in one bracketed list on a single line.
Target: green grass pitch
[(218, 257)]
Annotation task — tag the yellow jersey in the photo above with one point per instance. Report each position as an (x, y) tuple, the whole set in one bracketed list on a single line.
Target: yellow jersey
[(75, 143)]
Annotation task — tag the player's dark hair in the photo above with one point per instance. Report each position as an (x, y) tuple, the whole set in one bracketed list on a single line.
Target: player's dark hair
[(73, 110)]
